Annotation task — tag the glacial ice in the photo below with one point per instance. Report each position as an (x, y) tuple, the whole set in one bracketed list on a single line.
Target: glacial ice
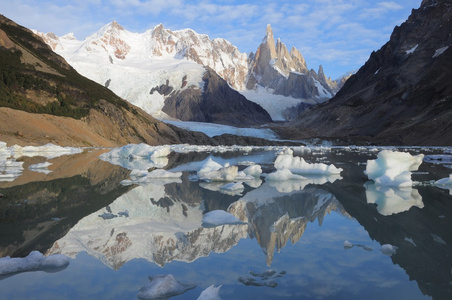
[(393, 168), (298, 165), (392, 199), (35, 261), (163, 286), (210, 293), (219, 217)]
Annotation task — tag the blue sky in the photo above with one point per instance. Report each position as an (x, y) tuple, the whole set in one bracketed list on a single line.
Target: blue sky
[(338, 34)]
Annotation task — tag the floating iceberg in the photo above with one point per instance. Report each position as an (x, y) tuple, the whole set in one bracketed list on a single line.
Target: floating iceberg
[(210, 293), (35, 261), (141, 156), (213, 171), (393, 168), (298, 165), (219, 217), (163, 286), (48, 151), (445, 183), (393, 200)]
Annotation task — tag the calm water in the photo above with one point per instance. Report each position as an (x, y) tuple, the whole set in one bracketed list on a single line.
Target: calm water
[(295, 229)]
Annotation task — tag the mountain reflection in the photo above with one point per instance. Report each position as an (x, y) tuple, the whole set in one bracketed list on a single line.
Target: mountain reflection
[(164, 220)]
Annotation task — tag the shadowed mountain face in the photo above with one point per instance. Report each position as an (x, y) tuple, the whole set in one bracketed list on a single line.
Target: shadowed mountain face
[(403, 93), (217, 103)]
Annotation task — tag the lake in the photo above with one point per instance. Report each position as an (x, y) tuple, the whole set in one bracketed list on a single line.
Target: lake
[(320, 237)]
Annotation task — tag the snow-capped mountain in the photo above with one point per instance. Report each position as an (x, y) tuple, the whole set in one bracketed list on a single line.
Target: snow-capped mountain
[(148, 68)]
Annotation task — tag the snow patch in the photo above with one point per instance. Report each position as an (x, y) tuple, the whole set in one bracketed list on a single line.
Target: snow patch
[(440, 51), (412, 49)]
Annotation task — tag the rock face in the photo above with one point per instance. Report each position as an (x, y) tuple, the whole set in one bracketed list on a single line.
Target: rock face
[(403, 93), (43, 100), (274, 67), (216, 103)]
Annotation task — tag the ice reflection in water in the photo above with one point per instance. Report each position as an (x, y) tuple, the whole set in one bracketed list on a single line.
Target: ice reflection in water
[(164, 225)]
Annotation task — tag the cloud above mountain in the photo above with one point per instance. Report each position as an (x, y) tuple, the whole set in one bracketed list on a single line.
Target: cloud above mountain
[(338, 34)]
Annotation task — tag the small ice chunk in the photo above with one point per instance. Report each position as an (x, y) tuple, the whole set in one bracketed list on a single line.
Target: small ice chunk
[(393, 168), (298, 165), (219, 217), (163, 286), (41, 167), (33, 262), (388, 249), (107, 216), (254, 170), (210, 293)]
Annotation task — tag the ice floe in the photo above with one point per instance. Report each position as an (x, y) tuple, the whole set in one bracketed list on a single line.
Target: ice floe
[(393, 168), (213, 171), (393, 200), (35, 261), (349, 245), (163, 286), (282, 175), (297, 165), (210, 293), (266, 278), (218, 218), (138, 156)]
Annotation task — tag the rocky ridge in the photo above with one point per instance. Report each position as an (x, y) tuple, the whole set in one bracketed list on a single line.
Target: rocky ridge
[(402, 94)]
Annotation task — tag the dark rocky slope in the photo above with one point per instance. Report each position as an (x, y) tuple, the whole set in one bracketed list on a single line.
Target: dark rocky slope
[(403, 93), (216, 103)]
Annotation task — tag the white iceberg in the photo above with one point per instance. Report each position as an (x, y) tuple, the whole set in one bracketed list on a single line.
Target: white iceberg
[(213, 171), (48, 151), (35, 261), (298, 165), (393, 200), (393, 168), (163, 286), (253, 170), (210, 293), (218, 218)]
